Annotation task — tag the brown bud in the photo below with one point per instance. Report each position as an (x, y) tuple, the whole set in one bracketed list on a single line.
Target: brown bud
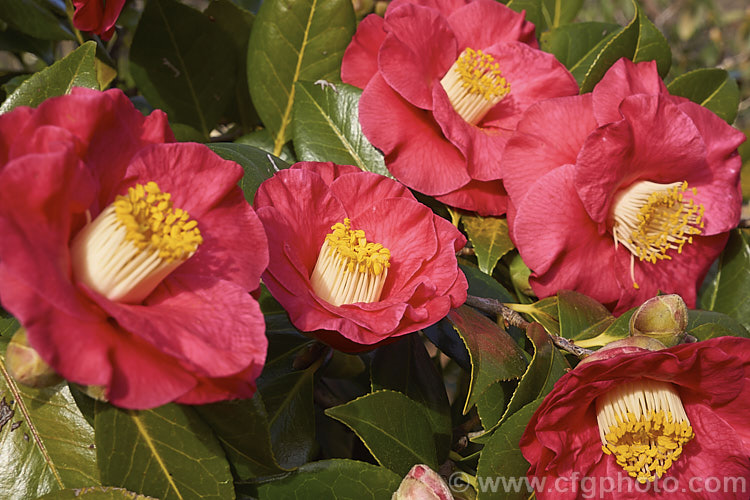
[(663, 318), (26, 366), (422, 483)]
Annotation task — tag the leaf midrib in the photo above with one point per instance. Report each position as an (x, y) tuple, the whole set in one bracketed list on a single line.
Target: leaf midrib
[(155, 453)]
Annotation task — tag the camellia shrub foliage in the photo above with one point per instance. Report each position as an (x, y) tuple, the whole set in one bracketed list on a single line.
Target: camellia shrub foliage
[(318, 249)]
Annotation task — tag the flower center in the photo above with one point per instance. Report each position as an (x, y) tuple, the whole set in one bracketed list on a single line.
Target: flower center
[(474, 85), (134, 244), (350, 269), (644, 425), (651, 219)]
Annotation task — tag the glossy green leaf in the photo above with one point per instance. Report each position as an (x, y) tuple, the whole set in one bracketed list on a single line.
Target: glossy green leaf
[(698, 322), (578, 313), (192, 75), (291, 41), (502, 462), (405, 366), (45, 443), (326, 127), (257, 164), (490, 238), (494, 354), (34, 18), (237, 23), (482, 285), (399, 437), (544, 311), (519, 276), (262, 139), (491, 404), (95, 493), (77, 69), (546, 14), (243, 430), (335, 480), (594, 337), (547, 365), (288, 400), (712, 88), (729, 291), (167, 452), (571, 43), (638, 41)]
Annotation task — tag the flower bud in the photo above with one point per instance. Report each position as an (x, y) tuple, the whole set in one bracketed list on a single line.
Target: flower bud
[(663, 318), (25, 365), (422, 483)]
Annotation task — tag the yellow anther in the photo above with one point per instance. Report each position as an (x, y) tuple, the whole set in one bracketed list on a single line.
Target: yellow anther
[(474, 85), (349, 268), (644, 426)]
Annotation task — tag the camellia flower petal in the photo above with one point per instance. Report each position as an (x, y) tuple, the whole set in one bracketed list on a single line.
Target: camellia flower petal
[(624, 192), (359, 260), (124, 255), (445, 82), (97, 16), (638, 423)]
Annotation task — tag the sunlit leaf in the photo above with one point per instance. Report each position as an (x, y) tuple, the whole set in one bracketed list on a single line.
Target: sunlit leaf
[(544, 311), (399, 437), (77, 69), (291, 41), (571, 43), (729, 291), (490, 238), (712, 88), (95, 493), (167, 453), (326, 127), (579, 313), (546, 14)]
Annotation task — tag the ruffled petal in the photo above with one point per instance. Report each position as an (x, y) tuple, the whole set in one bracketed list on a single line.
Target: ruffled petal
[(416, 153), (359, 191), (485, 198), (624, 79), (560, 243), (445, 7), (418, 50), (11, 124), (360, 60), (482, 23)]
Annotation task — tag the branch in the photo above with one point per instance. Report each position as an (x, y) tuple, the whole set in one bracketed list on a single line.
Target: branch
[(513, 318)]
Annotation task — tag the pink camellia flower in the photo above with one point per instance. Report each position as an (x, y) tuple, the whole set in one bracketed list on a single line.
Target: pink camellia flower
[(445, 82), (126, 257), (624, 192), (640, 423), (97, 16), (359, 260)]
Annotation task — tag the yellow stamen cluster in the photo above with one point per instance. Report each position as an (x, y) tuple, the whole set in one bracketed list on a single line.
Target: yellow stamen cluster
[(651, 219), (349, 268), (474, 85), (134, 244), (644, 425)]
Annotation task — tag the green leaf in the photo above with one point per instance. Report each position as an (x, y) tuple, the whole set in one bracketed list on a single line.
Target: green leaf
[(326, 127), (712, 88), (405, 366), (546, 14), (95, 493), (729, 291), (501, 460), (619, 329), (33, 18), (243, 430), (289, 403), (398, 437), (709, 324), (482, 285), (547, 365), (334, 479), (544, 311), (291, 41), (494, 354), (262, 139), (45, 442), (191, 75), (579, 313), (167, 452), (572, 42), (77, 69), (257, 164), (490, 238), (638, 41)]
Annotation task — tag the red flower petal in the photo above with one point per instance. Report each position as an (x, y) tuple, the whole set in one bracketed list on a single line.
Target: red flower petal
[(93, 16), (360, 60), (418, 50), (485, 198), (445, 7), (416, 152), (482, 23)]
